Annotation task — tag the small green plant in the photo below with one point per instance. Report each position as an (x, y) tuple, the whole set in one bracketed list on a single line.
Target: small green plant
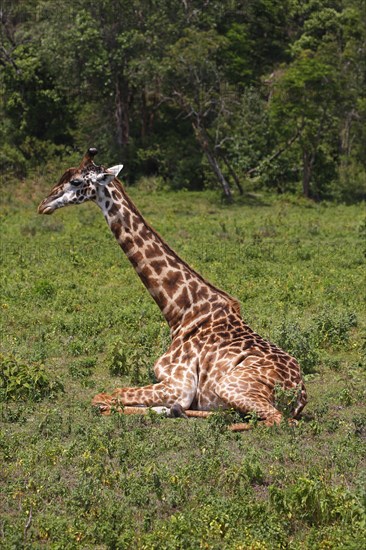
[(79, 346), (138, 365), (316, 427), (135, 364), (13, 412), (82, 368), (332, 425), (300, 343), (253, 471), (117, 360), (45, 289), (19, 380), (220, 420), (51, 423), (332, 363), (346, 397), (359, 423), (286, 400)]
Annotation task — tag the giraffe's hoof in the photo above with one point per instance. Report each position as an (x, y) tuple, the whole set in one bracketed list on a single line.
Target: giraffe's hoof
[(177, 411)]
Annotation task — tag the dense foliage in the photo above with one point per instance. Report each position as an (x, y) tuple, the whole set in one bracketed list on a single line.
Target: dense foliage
[(247, 93)]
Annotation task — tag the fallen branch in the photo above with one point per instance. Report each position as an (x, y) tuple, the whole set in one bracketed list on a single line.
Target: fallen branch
[(28, 523)]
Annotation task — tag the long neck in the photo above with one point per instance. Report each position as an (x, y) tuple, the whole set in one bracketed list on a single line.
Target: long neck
[(181, 294)]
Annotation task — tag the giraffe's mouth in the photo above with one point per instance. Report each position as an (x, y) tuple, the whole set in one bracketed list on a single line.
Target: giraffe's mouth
[(51, 203), (45, 208)]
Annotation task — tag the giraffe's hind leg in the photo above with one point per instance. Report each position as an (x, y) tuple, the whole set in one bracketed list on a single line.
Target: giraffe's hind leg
[(240, 396), (255, 404)]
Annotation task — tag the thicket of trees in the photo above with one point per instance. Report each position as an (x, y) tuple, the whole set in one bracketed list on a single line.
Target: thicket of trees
[(196, 92)]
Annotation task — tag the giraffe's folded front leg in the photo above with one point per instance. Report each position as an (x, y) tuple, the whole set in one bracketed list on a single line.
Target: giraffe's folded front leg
[(161, 394)]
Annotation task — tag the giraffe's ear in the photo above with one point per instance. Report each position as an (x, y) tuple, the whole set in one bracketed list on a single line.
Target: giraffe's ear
[(115, 170), (109, 175)]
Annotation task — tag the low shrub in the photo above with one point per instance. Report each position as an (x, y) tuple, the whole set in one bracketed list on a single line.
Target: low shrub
[(20, 381), (333, 327), (117, 360), (82, 368), (317, 502), (286, 400), (300, 343), (135, 364), (45, 289)]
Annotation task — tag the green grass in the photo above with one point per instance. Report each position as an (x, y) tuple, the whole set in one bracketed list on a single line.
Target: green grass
[(74, 311)]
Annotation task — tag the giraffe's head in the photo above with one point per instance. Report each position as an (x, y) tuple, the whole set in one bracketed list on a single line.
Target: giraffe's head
[(79, 185)]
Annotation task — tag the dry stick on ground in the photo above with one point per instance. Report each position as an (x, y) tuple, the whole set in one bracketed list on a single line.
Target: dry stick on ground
[(28, 523)]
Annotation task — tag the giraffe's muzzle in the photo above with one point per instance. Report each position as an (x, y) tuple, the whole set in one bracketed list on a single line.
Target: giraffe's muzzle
[(45, 209), (50, 204)]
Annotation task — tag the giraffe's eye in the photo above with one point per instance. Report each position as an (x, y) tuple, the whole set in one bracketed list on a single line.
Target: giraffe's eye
[(76, 182)]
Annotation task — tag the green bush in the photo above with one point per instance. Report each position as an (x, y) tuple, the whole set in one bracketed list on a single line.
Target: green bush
[(117, 360), (82, 368), (45, 289), (317, 502), (333, 327), (136, 363), (286, 400), (300, 343), (19, 381), (12, 160)]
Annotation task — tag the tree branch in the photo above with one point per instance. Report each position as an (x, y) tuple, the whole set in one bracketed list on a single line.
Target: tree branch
[(278, 152)]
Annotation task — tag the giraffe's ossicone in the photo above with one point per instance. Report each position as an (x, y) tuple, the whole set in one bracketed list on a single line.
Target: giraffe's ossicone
[(215, 359)]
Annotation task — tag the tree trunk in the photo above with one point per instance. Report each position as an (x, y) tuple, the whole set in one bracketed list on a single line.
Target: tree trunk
[(121, 115), (306, 173), (232, 173), (144, 116), (212, 160), (225, 160), (346, 134), (217, 171)]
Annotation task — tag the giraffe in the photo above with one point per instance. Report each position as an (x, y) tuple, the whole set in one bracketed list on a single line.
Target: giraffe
[(215, 360)]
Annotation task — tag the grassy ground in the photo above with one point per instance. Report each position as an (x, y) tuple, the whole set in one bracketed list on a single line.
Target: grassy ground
[(74, 315)]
